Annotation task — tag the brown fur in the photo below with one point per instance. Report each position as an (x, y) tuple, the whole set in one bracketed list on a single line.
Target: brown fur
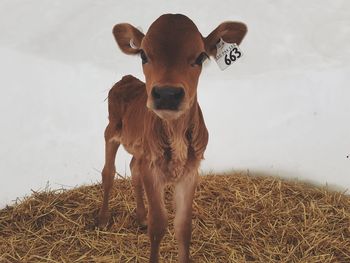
[(166, 147)]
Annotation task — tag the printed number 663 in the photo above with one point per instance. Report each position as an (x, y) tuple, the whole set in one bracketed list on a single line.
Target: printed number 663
[(234, 54)]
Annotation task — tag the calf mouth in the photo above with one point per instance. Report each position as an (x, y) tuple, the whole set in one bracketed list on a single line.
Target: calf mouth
[(167, 114)]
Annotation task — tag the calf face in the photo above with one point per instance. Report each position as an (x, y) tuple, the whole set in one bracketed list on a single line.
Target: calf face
[(172, 53)]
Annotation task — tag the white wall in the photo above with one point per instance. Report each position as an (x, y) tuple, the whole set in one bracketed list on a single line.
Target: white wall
[(282, 110)]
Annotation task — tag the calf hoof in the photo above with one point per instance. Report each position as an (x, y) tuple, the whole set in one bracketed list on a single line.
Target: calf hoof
[(102, 220), (142, 224), (141, 220)]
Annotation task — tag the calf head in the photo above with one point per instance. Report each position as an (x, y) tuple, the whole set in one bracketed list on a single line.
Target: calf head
[(172, 53)]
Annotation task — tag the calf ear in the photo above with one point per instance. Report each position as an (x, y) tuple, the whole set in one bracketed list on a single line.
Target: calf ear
[(128, 38), (230, 32)]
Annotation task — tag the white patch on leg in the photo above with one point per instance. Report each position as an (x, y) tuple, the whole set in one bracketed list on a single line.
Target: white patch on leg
[(115, 138)]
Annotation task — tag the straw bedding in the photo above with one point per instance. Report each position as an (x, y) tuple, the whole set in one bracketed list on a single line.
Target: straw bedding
[(237, 218)]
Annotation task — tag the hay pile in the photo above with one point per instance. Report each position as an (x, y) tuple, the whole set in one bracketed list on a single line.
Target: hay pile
[(237, 218)]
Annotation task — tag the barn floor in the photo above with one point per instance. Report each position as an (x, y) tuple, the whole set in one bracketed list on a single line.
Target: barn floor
[(237, 218)]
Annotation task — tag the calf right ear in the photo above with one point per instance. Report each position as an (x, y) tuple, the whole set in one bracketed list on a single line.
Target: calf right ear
[(231, 32), (128, 38)]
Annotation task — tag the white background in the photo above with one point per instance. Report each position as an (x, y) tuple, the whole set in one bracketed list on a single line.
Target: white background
[(282, 110)]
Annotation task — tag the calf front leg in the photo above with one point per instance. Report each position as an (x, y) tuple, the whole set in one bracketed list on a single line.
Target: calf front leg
[(108, 173), (157, 215), (138, 188), (184, 193)]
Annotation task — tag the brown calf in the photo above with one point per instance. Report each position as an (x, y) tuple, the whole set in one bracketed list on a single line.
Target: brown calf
[(160, 122)]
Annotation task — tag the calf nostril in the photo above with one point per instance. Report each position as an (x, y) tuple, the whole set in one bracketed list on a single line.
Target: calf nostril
[(155, 93), (179, 93)]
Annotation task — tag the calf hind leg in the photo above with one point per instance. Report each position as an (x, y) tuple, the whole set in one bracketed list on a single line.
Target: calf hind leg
[(108, 173)]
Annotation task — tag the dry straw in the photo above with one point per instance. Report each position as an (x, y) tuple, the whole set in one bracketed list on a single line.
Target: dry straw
[(237, 218)]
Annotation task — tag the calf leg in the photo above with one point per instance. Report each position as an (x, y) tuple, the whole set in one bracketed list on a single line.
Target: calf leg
[(157, 216), (184, 193), (138, 188), (108, 173)]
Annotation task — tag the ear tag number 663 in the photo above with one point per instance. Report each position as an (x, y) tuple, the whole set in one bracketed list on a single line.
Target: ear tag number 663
[(234, 54), (226, 54)]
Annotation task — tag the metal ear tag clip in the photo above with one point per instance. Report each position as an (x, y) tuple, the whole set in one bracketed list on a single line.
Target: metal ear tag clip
[(132, 44)]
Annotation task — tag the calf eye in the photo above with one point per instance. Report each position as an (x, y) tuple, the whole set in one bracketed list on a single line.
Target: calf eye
[(143, 57), (200, 59)]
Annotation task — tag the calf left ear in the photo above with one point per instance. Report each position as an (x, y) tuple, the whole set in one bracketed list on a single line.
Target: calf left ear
[(128, 37), (230, 32)]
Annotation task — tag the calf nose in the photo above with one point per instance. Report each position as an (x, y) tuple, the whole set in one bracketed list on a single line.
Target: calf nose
[(167, 98)]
